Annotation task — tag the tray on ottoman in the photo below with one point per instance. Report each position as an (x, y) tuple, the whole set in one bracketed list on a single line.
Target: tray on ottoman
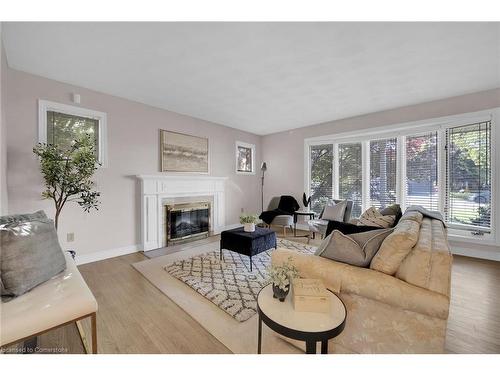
[(247, 243)]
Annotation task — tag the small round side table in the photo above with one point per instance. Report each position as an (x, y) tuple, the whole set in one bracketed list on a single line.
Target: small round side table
[(310, 327), (296, 214)]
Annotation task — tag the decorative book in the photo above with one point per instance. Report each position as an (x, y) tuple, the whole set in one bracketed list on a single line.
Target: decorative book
[(310, 295)]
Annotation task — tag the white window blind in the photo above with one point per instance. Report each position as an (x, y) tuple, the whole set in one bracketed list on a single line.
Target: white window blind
[(350, 175), (321, 168), (383, 156), (421, 181), (468, 177)]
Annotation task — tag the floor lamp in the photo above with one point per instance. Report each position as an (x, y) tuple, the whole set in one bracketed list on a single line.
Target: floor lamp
[(263, 168)]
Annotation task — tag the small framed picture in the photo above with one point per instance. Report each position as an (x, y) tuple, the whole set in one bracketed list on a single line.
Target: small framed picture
[(245, 158)]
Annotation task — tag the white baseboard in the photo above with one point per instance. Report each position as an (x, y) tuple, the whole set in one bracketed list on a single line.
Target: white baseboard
[(232, 226), (475, 253), (111, 253), (105, 254)]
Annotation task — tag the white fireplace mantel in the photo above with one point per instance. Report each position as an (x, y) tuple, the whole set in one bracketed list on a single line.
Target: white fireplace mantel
[(155, 188)]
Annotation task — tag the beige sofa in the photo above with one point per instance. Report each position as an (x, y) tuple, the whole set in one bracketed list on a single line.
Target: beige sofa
[(398, 305)]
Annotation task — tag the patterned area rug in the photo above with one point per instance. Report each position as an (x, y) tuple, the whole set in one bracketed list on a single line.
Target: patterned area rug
[(229, 284)]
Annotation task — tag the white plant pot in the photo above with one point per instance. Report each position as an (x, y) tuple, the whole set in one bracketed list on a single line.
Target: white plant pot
[(249, 227)]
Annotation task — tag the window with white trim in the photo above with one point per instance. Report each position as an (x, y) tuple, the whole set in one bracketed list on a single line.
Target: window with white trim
[(468, 177), (448, 167), (61, 124)]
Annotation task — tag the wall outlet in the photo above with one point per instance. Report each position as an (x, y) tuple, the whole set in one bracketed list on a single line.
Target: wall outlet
[(242, 210), (70, 237)]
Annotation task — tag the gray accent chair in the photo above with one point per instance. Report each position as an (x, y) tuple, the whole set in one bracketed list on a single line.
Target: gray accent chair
[(319, 225), (285, 221)]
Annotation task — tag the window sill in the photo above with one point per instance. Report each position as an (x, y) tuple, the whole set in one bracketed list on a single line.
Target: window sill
[(245, 173), (486, 240)]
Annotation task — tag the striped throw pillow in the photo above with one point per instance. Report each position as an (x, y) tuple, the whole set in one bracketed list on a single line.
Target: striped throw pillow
[(374, 218)]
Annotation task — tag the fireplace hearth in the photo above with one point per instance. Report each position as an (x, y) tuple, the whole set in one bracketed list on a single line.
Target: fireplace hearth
[(187, 222)]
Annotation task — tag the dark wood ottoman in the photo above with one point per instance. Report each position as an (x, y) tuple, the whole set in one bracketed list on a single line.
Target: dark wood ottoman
[(247, 243)]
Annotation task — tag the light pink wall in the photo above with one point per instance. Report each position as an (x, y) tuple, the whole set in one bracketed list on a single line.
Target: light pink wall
[(284, 152), (132, 149)]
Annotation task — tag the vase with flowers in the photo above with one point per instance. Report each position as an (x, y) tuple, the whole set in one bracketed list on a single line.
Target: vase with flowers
[(281, 276)]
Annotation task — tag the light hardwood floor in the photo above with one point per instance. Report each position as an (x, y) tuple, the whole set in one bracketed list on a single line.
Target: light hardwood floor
[(135, 317)]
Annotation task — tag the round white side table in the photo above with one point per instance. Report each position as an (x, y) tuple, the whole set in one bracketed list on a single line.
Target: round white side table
[(310, 327)]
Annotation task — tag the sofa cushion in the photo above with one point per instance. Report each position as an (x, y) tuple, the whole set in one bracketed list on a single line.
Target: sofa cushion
[(429, 262), (396, 247), (31, 255), (322, 246), (334, 211), (413, 215), (356, 249), (393, 209), (374, 218)]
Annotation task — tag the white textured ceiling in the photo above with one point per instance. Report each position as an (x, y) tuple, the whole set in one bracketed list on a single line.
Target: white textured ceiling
[(263, 77)]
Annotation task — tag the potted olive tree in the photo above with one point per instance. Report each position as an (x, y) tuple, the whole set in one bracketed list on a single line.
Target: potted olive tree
[(68, 174)]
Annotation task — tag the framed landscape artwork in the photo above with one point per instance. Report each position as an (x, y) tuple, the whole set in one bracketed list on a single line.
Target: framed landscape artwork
[(183, 152)]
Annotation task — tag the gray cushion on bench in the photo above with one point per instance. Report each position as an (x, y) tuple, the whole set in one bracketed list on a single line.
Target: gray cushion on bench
[(30, 254)]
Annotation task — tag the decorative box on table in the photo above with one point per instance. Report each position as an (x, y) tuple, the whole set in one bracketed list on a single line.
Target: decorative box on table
[(310, 295)]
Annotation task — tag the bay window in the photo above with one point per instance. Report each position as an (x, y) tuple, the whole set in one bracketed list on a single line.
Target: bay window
[(446, 167)]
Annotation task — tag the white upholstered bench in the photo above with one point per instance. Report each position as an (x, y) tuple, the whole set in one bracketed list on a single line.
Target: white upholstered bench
[(63, 299)]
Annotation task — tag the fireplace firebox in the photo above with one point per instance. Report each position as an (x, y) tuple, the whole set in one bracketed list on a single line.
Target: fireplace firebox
[(187, 222)]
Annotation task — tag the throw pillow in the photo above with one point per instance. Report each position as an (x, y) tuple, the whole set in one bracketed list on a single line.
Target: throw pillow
[(335, 211), (347, 228), (356, 249), (31, 255), (322, 246), (22, 217), (393, 209), (374, 218), (396, 247)]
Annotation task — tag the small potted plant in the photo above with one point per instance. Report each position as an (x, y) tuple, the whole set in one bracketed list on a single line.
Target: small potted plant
[(248, 221), (281, 277)]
